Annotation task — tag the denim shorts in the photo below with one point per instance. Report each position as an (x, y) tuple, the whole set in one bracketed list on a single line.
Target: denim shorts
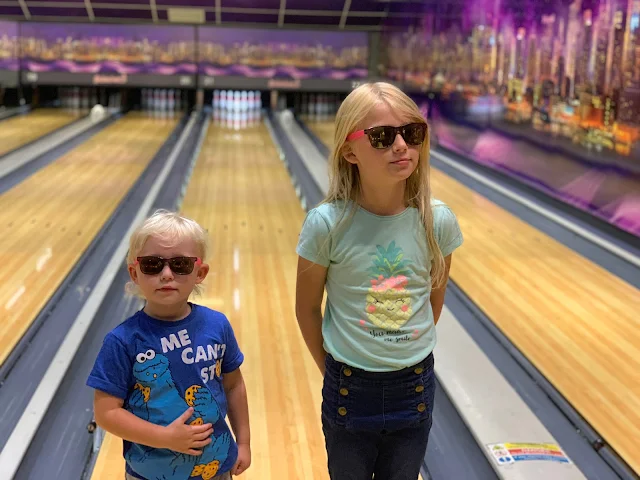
[(377, 422)]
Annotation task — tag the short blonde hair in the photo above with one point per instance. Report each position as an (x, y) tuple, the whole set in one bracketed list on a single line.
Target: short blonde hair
[(172, 228), (344, 177)]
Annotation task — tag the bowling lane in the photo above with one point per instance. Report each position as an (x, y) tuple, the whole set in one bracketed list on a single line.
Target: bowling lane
[(241, 193), (576, 322), (51, 218), (18, 131), (323, 130)]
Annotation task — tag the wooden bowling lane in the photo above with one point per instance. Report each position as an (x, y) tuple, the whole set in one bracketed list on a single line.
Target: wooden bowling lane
[(576, 322), (22, 129), (109, 464), (323, 130), (49, 219), (241, 193)]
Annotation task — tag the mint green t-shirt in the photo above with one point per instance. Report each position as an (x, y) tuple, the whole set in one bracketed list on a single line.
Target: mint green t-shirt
[(378, 316)]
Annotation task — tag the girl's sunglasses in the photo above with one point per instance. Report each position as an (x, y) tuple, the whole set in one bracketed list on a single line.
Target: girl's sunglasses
[(178, 265), (383, 137)]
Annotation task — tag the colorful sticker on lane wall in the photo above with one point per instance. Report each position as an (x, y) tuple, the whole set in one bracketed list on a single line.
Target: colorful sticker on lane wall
[(510, 453)]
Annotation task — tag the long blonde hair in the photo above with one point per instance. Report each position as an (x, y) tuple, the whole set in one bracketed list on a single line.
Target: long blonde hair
[(344, 179)]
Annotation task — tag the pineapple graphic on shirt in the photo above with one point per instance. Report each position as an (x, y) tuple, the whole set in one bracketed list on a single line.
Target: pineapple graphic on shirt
[(388, 301)]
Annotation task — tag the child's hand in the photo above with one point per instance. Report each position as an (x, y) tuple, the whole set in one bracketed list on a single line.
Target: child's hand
[(186, 438), (244, 459)]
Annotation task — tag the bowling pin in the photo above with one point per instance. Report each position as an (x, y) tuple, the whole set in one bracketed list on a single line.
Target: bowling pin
[(236, 120), (84, 96), (325, 106), (215, 103), (244, 101), (165, 103), (171, 105), (307, 105), (230, 115), (76, 99), (223, 99), (148, 101)]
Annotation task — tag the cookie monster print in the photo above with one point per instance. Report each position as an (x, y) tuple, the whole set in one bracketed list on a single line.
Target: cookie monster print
[(156, 399)]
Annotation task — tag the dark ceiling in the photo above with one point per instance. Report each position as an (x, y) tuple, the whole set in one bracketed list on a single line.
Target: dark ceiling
[(328, 14)]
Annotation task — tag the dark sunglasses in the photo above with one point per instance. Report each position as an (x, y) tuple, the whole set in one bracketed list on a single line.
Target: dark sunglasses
[(383, 137), (178, 265)]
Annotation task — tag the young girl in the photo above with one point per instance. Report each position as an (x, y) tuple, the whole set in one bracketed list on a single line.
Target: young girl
[(382, 249), (164, 377)]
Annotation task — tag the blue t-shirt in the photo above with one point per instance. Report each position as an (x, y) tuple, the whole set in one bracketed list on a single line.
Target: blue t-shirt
[(161, 368), (378, 315)]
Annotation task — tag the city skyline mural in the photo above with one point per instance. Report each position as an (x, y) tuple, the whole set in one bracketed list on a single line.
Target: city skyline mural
[(569, 69), (547, 92), (9, 46), (293, 54), (119, 49)]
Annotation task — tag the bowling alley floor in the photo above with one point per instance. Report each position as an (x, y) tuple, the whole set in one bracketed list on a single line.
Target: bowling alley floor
[(564, 310), (231, 178)]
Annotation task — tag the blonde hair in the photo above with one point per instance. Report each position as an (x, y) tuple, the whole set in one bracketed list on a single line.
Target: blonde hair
[(172, 228), (344, 178)]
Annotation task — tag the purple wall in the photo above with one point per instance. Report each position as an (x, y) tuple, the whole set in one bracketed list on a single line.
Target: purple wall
[(282, 54)]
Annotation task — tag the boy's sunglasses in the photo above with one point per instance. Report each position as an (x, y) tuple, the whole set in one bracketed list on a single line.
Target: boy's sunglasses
[(178, 265), (383, 137)]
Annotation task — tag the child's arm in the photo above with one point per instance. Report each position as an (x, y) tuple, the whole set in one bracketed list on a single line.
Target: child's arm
[(437, 294), (309, 291), (177, 436), (236, 393)]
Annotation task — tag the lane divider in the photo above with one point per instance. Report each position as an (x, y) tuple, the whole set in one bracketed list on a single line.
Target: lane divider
[(22, 435)]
